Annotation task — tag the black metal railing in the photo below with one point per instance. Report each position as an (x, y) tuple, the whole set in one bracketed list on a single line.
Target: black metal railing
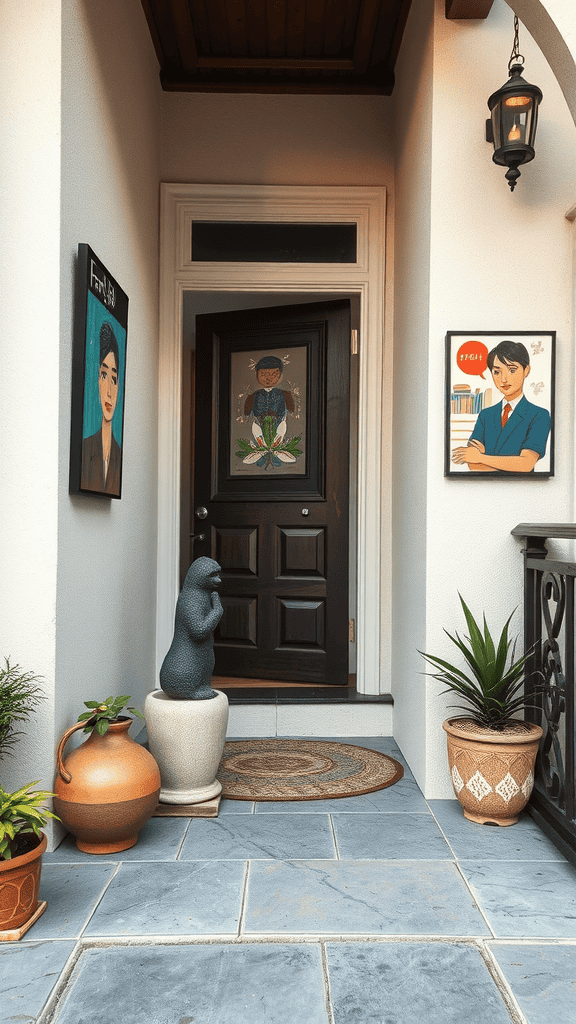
[(549, 634)]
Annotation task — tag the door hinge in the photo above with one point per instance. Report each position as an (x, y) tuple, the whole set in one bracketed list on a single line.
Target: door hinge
[(354, 342), (352, 631)]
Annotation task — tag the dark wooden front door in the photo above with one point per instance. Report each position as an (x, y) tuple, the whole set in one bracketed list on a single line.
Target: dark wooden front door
[(270, 491)]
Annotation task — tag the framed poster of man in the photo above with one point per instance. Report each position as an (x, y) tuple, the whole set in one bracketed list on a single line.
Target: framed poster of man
[(98, 379), (499, 404)]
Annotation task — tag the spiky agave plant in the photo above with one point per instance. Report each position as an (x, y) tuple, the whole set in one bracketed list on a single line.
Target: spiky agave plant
[(491, 690)]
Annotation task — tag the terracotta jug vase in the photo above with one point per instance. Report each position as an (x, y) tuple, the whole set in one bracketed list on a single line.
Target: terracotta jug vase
[(107, 789)]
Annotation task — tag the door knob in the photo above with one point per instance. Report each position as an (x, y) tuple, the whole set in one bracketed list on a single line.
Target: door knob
[(201, 512), (198, 536)]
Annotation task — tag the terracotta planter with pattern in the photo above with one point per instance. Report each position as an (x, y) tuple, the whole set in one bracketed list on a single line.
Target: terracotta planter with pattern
[(107, 789), (492, 772), (19, 885)]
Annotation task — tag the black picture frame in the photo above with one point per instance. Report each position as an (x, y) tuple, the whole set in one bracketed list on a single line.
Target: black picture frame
[(265, 485), (216, 361), (98, 379), (470, 397)]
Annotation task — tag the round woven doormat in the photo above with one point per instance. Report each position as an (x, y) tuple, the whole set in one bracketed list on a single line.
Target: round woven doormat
[(302, 770)]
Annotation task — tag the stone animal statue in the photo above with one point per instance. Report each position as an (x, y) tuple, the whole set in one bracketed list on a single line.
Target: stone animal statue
[(187, 668)]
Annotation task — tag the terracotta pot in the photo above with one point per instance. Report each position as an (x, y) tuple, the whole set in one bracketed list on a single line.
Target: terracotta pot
[(19, 885), (107, 789), (492, 772)]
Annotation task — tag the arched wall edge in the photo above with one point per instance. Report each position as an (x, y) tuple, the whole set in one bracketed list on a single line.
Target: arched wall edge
[(552, 24)]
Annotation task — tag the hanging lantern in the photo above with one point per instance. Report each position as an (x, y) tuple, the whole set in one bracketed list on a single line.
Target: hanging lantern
[(514, 116)]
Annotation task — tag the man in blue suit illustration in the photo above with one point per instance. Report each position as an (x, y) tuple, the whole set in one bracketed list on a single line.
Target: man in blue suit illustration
[(510, 436)]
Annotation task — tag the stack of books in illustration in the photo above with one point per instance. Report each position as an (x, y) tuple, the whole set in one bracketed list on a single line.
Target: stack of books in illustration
[(464, 401), (465, 405)]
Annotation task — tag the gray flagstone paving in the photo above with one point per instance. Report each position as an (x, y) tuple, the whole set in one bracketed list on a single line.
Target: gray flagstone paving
[(380, 909)]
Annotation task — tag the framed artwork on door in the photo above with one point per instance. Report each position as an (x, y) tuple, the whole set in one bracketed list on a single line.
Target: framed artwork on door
[(499, 404), (268, 407), (269, 393), (98, 379)]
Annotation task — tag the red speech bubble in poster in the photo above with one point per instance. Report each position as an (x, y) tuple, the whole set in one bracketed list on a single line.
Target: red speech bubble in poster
[(471, 358)]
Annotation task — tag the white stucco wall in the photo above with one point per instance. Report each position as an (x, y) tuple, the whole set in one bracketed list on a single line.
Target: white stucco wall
[(498, 261), (276, 139), (413, 114), (29, 378), (81, 142), (106, 596)]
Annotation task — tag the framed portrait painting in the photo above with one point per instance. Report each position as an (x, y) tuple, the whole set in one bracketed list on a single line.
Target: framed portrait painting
[(499, 404), (265, 412), (268, 412), (98, 379)]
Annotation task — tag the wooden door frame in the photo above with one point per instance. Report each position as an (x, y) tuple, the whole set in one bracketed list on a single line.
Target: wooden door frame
[(181, 204)]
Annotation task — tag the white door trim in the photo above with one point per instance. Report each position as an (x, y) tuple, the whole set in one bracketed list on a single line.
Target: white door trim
[(366, 207)]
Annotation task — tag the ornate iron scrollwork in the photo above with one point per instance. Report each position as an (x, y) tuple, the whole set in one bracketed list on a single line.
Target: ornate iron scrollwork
[(551, 759)]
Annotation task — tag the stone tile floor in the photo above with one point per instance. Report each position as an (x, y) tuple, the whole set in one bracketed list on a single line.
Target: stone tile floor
[(381, 909)]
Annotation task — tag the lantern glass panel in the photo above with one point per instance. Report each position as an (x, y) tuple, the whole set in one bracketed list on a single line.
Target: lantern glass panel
[(516, 123), (497, 126)]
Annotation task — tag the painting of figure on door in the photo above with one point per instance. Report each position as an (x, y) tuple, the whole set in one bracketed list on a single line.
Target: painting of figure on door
[(268, 412)]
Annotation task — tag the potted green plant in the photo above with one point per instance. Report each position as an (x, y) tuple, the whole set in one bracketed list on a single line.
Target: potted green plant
[(22, 815), (491, 752), (108, 787), (101, 715), (22, 844), (19, 696)]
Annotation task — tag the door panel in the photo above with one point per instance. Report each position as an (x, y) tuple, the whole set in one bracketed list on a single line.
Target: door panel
[(236, 549), (271, 469), (238, 623), (302, 553)]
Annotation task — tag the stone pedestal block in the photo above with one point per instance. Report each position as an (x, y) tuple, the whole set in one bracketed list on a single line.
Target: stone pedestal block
[(186, 738)]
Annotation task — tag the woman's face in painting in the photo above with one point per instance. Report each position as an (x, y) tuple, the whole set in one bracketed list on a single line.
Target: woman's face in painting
[(108, 385)]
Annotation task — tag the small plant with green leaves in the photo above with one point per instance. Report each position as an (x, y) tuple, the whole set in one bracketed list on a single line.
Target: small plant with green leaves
[(269, 448), (19, 696), (102, 713), (493, 689), (21, 818)]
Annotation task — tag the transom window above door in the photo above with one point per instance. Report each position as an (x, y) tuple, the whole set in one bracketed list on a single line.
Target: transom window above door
[(253, 242)]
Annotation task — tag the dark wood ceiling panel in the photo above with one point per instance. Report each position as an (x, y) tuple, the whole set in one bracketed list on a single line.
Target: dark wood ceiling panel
[(334, 27), (350, 22), (365, 31), (276, 28), (256, 27), (236, 11), (385, 47), (295, 28), (163, 31), (314, 41), (218, 41), (201, 27), (184, 34), (322, 46)]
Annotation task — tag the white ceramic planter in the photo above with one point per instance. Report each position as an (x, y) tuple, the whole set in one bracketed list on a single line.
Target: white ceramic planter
[(186, 738)]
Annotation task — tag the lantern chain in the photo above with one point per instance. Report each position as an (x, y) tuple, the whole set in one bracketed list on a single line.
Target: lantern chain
[(515, 57)]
